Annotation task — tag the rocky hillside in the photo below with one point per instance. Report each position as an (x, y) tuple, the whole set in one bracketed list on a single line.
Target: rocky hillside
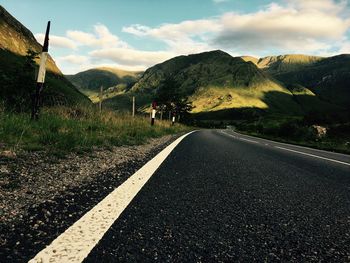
[(283, 63), (16, 38), (327, 78), (113, 80), (215, 81), (18, 72)]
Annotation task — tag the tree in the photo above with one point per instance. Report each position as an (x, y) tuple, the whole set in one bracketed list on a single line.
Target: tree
[(170, 97)]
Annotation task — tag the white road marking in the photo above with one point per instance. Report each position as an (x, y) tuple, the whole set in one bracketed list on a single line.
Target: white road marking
[(240, 138), (249, 140), (294, 145), (75, 244), (312, 155)]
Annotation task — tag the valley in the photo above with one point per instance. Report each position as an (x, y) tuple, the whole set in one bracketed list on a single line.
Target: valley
[(173, 131)]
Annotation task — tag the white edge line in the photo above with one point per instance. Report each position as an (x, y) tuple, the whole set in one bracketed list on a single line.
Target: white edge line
[(291, 145), (312, 155), (75, 244), (240, 138), (249, 140)]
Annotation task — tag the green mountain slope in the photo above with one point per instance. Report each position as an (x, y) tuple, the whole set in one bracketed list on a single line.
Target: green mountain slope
[(113, 80), (328, 78), (17, 75), (284, 63), (325, 79), (215, 81)]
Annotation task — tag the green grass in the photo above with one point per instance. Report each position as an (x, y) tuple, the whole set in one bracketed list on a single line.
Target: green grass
[(61, 130), (296, 130)]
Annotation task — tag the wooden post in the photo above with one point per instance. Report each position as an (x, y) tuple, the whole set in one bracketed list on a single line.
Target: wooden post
[(153, 112), (150, 113), (41, 75), (101, 98), (133, 106)]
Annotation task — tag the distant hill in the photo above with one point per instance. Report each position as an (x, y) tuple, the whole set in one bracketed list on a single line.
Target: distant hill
[(18, 77), (220, 85), (283, 63), (327, 78), (215, 81), (113, 80)]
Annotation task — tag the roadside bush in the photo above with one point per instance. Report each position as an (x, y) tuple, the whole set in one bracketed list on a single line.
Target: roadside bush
[(290, 130)]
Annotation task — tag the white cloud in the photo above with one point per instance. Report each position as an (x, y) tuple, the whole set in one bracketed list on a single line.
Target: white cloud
[(75, 63), (131, 57), (345, 47), (102, 37), (296, 26), (57, 42), (74, 59), (292, 26)]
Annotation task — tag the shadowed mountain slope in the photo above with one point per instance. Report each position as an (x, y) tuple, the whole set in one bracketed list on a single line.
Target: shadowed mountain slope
[(18, 72)]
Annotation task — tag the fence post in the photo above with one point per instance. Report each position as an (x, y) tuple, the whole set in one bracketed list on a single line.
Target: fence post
[(101, 98)]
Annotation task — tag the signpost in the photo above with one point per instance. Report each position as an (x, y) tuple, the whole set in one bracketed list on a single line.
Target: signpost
[(41, 75)]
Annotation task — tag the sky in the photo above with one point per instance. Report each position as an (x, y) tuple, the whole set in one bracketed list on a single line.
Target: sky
[(137, 34)]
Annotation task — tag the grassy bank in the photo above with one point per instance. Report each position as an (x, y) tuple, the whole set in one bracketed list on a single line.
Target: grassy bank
[(62, 129), (297, 130)]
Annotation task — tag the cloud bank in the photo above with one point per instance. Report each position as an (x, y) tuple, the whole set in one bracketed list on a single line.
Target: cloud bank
[(294, 26)]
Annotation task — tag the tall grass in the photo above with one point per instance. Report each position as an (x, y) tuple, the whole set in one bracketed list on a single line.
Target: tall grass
[(67, 129)]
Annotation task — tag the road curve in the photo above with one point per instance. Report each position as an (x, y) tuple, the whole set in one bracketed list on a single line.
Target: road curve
[(227, 197)]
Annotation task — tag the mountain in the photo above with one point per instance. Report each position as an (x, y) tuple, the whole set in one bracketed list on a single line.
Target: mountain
[(219, 85), (215, 81), (327, 78), (113, 80), (18, 73), (283, 63)]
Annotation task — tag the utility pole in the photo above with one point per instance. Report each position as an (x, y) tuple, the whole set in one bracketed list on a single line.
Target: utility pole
[(101, 98), (133, 106), (41, 75)]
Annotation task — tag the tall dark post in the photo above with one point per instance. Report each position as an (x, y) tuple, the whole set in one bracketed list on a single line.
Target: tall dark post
[(41, 75)]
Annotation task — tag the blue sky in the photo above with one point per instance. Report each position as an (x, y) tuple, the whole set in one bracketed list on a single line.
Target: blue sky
[(136, 34)]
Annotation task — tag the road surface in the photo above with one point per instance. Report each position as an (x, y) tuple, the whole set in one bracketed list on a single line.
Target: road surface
[(221, 196)]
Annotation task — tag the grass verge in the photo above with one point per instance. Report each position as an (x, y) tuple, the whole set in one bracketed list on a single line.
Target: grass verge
[(78, 129), (295, 130)]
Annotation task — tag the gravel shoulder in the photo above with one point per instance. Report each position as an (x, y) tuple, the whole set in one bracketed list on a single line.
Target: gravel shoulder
[(40, 195)]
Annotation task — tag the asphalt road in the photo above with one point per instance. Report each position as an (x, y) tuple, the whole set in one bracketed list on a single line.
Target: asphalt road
[(228, 197)]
